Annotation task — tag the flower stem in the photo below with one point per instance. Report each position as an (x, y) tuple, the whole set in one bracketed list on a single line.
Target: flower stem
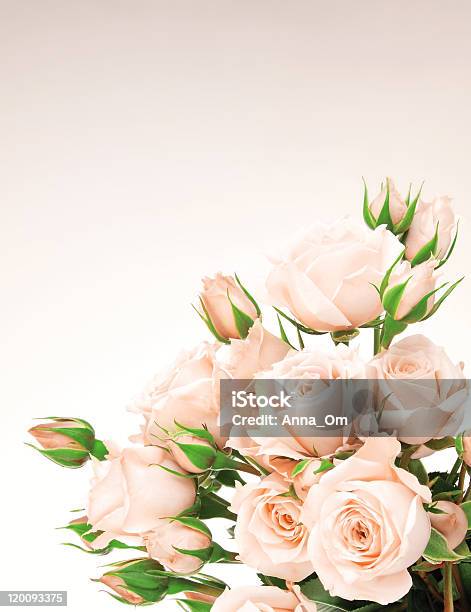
[(448, 587), (376, 340)]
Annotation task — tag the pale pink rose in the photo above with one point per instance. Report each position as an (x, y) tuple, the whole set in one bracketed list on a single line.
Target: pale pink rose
[(422, 230), (367, 525), (425, 394), (52, 439), (326, 277), (218, 306), (167, 536), (453, 525), (117, 584), (187, 393), (269, 534), (308, 373), (423, 280), (397, 206), (262, 599), (258, 352), (126, 497)]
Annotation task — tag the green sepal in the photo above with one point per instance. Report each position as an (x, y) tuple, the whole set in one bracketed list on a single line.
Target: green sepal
[(99, 450), (387, 276), (442, 298), (65, 457), (213, 506), (404, 224), (201, 456), (193, 523), (391, 328), (451, 249), (325, 465), (81, 435), (393, 296), (250, 297), (419, 311), (427, 251), (344, 336), (300, 467), (210, 325), (367, 214), (300, 326), (283, 335), (437, 549), (241, 319), (204, 434), (440, 443), (384, 217), (190, 605)]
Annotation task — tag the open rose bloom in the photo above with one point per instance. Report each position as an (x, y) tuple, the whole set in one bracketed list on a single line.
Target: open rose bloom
[(363, 504)]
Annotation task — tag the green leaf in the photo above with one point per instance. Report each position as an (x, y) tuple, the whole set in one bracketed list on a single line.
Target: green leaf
[(437, 549), (428, 250), (417, 468), (251, 298), (314, 591), (242, 320), (440, 443), (367, 214)]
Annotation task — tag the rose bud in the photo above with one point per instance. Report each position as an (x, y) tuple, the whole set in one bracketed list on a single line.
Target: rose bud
[(138, 581), (227, 308), (453, 525), (119, 586), (397, 206), (411, 288), (192, 453), (182, 545), (66, 441), (431, 231)]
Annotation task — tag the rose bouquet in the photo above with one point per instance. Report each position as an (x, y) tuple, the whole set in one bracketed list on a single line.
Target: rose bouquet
[(348, 519)]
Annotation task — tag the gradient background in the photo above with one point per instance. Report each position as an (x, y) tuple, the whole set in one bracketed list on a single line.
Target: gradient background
[(146, 143)]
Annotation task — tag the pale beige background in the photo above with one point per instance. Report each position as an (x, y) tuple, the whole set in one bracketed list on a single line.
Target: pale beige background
[(145, 143)]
